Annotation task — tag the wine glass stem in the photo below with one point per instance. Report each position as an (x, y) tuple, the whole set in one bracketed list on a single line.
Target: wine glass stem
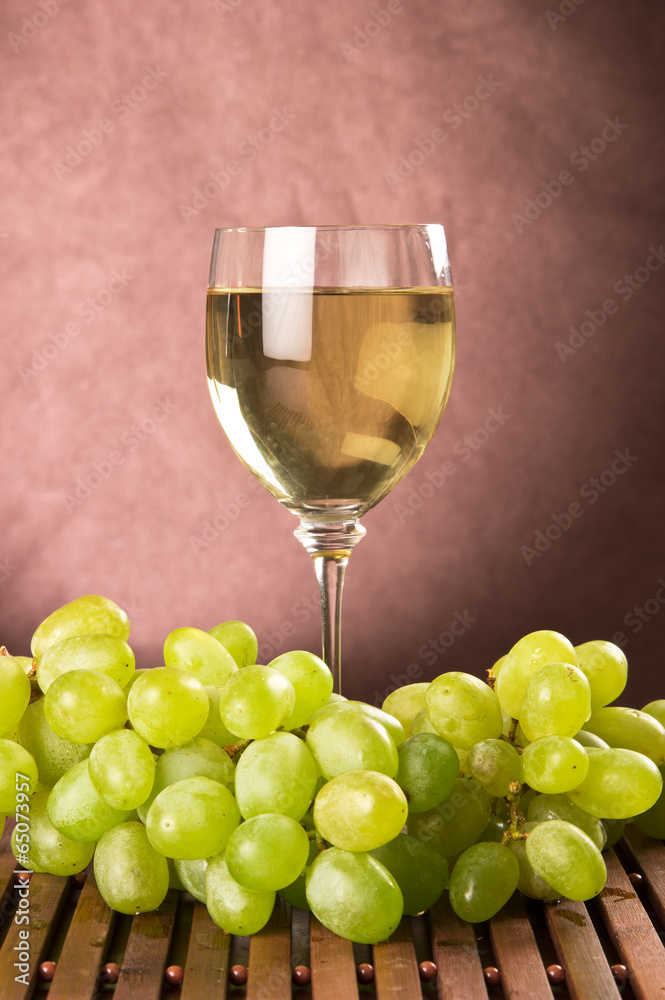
[(330, 544)]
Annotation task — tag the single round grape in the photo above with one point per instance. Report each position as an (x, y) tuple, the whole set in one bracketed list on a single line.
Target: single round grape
[(530, 883), (421, 723), (495, 669), (192, 818), (495, 764), (192, 874), (17, 768), (312, 683), (122, 769), (25, 663), (295, 893), (82, 705), (463, 709), (526, 657), (360, 810), (419, 870), (107, 654), (350, 741), (235, 909), (620, 784), (546, 807), (47, 849), (167, 707), (267, 852), (198, 759), (354, 896), (392, 725), (277, 774), (606, 669), (404, 703), (630, 729), (200, 654), (654, 708), (53, 755), (494, 831), (613, 831), (484, 878), (89, 615), (566, 859), (556, 702), (652, 822), (554, 764), (455, 823), (15, 688), (76, 808), (590, 741), (428, 769), (256, 701), (131, 875), (239, 640), (214, 729)]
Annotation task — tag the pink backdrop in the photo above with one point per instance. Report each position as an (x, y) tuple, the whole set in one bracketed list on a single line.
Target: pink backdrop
[(533, 132)]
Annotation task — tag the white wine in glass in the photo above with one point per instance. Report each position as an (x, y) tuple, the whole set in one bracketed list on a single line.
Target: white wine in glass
[(330, 353)]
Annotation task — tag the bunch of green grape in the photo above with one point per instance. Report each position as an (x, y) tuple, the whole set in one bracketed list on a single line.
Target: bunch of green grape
[(237, 781)]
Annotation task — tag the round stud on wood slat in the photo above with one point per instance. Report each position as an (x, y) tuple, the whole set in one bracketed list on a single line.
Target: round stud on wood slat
[(78, 880), (365, 973), (47, 971), (174, 975), (492, 976), (24, 877), (301, 976), (555, 974), (238, 975), (620, 973), (427, 972), (110, 973), (636, 879)]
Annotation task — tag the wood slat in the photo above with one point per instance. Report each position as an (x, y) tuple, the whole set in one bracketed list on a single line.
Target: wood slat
[(333, 966), (142, 973), (47, 897), (396, 966), (632, 933), (85, 946), (460, 973), (207, 967), (649, 856), (270, 957), (588, 976), (522, 971)]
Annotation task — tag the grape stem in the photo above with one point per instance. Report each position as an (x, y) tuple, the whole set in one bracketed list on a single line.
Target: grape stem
[(236, 749), (516, 815)]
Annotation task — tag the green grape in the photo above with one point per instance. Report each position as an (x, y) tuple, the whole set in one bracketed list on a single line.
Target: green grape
[(590, 741), (530, 883), (495, 669), (200, 654), (484, 878), (566, 859), (256, 701), (3, 820), (192, 874), (53, 755), (463, 709), (630, 729), (312, 683), (199, 759), (494, 831), (654, 708), (392, 726), (354, 896), (526, 657), (239, 640), (122, 769), (421, 723), (404, 703), (107, 654), (496, 765), (556, 702), (360, 810), (554, 764), (351, 741), (277, 774), (455, 823), (17, 767), (25, 663), (174, 878), (167, 707), (295, 893), (428, 769), (139, 672), (267, 852), (652, 822), (76, 808), (606, 669), (235, 909), (46, 849), (15, 688), (89, 615), (82, 705), (419, 870), (214, 729), (546, 807), (192, 818), (613, 831), (336, 697), (131, 875), (526, 798), (620, 784)]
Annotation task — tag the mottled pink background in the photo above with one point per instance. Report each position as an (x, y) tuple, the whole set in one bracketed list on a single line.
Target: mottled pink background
[(321, 105)]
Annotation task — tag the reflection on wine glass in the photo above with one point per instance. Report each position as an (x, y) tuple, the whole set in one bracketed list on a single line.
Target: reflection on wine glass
[(330, 354)]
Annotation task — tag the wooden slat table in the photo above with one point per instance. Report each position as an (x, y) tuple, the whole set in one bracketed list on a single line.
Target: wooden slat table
[(72, 926)]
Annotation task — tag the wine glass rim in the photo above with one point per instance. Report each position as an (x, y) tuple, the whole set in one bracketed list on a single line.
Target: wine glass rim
[(339, 228)]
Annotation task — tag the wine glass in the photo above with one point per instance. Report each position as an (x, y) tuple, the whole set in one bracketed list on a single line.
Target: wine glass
[(330, 353)]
